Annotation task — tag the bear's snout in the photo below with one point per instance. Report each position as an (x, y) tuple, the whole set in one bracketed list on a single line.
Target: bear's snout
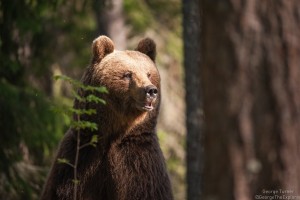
[(151, 92), (146, 97), (150, 96)]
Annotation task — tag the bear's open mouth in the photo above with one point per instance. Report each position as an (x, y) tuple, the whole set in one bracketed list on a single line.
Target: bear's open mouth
[(145, 105), (148, 106)]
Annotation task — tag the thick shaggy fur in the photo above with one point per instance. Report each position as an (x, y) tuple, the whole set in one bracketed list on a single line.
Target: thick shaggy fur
[(127, 163)]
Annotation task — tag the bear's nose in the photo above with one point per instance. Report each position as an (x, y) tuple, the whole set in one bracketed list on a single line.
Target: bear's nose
[(151, 91)]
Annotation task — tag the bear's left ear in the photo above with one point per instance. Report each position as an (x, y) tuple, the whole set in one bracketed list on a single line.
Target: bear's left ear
[(101, 47), (147, 46)]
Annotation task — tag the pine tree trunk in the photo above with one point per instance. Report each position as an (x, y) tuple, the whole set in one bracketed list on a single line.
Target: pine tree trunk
[(191, 32), (251, 85)]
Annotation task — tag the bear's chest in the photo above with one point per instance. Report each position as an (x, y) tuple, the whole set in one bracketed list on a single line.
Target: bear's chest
[(136, 154), (137, 168)]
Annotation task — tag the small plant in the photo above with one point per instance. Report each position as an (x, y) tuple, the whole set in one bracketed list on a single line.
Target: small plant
[(78, 124)]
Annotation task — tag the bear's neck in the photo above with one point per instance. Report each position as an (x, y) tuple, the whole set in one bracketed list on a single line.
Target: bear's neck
[(112, 123)]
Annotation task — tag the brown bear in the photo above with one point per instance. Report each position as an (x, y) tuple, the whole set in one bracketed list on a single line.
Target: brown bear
[(127, 163)]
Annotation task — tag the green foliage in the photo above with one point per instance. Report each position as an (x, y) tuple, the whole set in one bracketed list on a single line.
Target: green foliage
[(77, 124), (82, 111), (93, 98), (84, 125), (26, 113), (62, 160), (138, 15), (153, 14), (26, 116), (77, 84), (22, 22), (65, 161), (94, 139), (28, 128), (166, 12), (76, 181)]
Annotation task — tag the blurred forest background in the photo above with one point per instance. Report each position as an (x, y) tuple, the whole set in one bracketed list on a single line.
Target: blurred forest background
[(40, 39), (229, 124)]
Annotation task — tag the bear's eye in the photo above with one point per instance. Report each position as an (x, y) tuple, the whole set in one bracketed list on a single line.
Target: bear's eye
[(149, 75), (127, 75)]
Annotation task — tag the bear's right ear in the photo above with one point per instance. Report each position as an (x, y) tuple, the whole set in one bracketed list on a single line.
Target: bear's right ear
[(101, 47), (147, 46)]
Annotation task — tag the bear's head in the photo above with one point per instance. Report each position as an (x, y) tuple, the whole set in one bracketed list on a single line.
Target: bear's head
[(131, 77)]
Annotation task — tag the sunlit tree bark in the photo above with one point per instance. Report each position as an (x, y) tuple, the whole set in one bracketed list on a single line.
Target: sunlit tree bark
[(251, 85), (111, 21)]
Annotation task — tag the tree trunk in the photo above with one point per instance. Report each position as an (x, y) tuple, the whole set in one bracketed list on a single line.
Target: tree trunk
[(251, 88), (110, 21), (191, 34)]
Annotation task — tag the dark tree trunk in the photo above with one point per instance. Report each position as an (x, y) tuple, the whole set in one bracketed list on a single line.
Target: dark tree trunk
[(110, 21), (191, 34), (251, 86)]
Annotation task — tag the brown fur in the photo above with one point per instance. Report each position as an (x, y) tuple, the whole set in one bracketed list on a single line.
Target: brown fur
[(127, 163)]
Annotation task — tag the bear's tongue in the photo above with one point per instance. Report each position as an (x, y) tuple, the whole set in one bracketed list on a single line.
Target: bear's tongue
[(148, 105)]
